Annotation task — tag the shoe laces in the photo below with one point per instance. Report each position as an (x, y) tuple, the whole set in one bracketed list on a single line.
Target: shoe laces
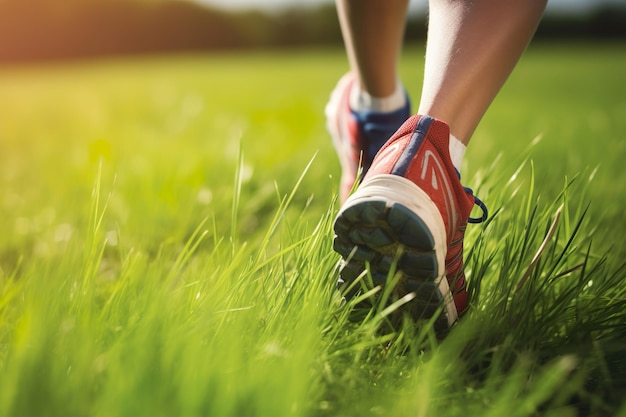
[(480, 204), (477, 201)]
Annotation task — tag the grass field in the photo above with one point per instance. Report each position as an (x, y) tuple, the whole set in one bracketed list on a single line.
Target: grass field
[(166, 234)]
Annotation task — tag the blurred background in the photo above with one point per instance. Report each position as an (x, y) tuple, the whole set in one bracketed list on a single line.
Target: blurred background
[(45, 30)]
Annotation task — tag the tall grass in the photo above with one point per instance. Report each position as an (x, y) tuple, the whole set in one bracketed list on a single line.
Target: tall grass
[(185, 332), (151, 262), (258, 329)]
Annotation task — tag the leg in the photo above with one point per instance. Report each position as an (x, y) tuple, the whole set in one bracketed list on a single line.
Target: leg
[(411, 206), (472, 48), (369, 103), (373, 32)]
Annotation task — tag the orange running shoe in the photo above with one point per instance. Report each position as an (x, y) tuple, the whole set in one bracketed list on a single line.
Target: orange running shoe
[(357, 137), (412, 207)]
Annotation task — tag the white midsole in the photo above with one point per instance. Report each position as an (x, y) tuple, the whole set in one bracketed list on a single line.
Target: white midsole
[(396, 189)]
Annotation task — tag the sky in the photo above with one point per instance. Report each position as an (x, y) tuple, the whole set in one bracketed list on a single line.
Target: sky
[(563, 6)]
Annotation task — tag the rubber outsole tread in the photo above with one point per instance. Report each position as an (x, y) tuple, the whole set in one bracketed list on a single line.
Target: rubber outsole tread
[(375, 232)]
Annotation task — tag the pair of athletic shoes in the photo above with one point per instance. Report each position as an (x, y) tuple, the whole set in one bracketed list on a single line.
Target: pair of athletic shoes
[(409, 212)]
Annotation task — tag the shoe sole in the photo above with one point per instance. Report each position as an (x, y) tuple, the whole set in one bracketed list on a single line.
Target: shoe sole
[(387, 218)]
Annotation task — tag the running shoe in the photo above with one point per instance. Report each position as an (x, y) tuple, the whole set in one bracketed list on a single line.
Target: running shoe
[(357, 137), (411, 211)]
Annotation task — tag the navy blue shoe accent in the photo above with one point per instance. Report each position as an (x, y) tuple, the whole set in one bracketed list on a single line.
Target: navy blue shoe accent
[(377, 128), (415, 142)]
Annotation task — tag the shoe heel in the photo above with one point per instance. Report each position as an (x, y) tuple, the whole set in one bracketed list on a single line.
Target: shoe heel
[(387, 216)]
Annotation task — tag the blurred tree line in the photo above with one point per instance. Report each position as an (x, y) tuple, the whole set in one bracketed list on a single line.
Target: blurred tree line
[(32, 30)]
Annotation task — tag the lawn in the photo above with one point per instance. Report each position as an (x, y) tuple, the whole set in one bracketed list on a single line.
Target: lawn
[(166, 235)]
